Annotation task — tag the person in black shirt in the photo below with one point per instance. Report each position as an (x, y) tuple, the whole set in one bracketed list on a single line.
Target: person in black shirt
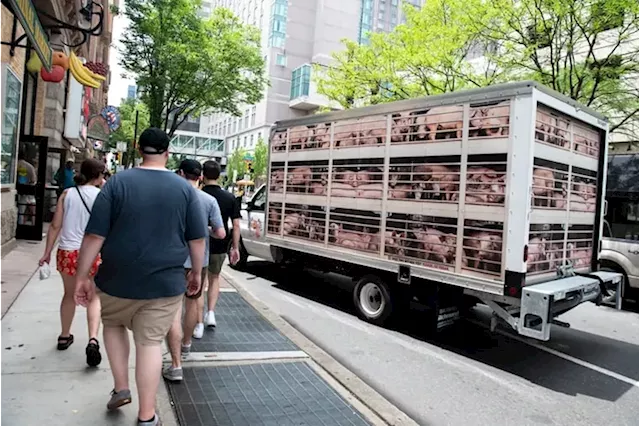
[(230, 209)]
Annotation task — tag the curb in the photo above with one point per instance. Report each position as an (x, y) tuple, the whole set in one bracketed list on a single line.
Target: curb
[(361, 391)]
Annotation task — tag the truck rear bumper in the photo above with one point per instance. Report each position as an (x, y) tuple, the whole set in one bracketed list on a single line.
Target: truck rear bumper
[(540, 303)]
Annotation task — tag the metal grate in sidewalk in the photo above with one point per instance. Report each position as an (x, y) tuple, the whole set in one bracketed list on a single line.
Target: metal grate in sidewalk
[(240, 329), (269, 394)]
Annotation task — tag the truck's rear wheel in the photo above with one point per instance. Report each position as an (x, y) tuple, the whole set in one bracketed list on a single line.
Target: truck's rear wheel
[(372, 299)]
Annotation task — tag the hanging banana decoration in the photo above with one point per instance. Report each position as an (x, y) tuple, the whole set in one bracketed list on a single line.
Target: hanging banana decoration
[(82, 74)]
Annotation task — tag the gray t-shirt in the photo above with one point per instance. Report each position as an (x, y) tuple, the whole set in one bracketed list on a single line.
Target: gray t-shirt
[(147, 218), (211, 211)]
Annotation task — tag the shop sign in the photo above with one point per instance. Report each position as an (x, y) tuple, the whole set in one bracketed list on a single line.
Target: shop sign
[(26, 14), (98, 128)]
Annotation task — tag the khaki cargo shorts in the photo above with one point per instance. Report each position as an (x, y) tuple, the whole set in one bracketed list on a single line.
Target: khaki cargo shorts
[(148, 319), (216, 260)]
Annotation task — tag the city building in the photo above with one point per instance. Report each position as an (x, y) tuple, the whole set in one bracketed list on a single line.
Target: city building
[(47, 118), (296, 36), (132, 92)]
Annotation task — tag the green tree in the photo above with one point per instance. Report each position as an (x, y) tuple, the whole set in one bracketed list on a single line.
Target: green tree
[(585, 49), (235, 162), (185, 66), (260, 154), (126, 131)]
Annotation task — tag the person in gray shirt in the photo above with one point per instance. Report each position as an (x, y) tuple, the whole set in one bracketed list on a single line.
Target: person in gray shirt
[(179, 337)]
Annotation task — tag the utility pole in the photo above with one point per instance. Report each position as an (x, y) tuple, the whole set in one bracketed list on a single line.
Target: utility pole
[(135, 140)]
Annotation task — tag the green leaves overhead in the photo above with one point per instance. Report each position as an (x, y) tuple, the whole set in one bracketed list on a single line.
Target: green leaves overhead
[(585, 49), (185, 65)]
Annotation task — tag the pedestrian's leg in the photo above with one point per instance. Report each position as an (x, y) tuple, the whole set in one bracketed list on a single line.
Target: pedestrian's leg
[(212, 298), (94, 358), (116, 342), (190, 320), (67, 311), (174, 338), (150, 326), (148, 369)]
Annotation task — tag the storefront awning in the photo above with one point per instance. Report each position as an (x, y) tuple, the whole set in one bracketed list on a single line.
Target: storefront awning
[(622, 176), (28, 17)]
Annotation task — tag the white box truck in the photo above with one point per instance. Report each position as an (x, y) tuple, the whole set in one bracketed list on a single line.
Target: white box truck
[(492, 195)]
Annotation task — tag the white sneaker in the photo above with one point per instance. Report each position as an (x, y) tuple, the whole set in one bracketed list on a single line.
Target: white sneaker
[(210, 319), (198, 332)]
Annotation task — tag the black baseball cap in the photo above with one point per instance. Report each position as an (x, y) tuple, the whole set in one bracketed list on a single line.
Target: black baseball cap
[(190, 167), (153, 141)]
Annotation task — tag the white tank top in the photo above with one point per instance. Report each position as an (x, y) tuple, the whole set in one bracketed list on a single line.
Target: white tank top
[(76, 216)]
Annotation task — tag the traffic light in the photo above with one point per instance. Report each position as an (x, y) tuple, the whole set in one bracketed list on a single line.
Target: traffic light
[(249, 166)]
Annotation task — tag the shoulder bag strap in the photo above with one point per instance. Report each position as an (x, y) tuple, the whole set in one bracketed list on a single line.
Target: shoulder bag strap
[(82, 199)]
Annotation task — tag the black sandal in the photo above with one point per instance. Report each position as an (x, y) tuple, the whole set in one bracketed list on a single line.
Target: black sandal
[(93, 353), (65, 342)]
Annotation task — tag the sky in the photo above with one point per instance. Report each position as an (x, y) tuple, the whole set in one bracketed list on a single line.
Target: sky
[(119, 85)]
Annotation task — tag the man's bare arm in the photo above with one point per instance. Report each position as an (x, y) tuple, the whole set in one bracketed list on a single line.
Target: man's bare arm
[(236, 234), (196, 252), (89, 250)]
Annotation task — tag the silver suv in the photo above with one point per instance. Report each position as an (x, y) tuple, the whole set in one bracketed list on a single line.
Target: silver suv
[(621, 255)]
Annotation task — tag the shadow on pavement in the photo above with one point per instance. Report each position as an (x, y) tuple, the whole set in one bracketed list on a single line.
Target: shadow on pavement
[(478, 343)]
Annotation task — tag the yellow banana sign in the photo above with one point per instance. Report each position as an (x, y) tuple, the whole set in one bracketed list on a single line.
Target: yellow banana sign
[(82, 74)]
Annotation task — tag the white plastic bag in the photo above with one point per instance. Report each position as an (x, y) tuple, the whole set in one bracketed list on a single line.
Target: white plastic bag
[(45, 271)]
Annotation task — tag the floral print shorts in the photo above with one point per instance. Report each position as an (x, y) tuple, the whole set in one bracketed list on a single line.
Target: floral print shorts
[(67, 262)]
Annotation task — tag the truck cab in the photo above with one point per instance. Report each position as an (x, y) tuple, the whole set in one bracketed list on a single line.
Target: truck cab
[(252, 227)]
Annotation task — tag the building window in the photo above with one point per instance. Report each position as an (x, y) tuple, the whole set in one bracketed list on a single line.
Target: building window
[(253, 116), (281, 60), (278, 24), (251, 141), (259, 136), (245, 142), (300, 78), (366, 19), (246, 118), (12, 88)]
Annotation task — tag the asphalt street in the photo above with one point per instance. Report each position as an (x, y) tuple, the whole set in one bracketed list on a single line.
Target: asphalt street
[(585, 375)]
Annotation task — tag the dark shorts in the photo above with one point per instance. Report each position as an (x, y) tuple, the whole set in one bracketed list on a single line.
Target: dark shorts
[(203, 276), (216, 260)]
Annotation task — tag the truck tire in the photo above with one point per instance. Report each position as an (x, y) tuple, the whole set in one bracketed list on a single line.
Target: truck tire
[(372, 299), (627, 292), (244, 256)]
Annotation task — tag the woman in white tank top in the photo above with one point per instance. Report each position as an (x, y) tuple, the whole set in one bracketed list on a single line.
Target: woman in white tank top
[(70, 220)]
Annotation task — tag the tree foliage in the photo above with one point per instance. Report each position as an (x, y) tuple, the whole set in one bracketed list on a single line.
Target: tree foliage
[(585, 49), (235, 162), (185, 65), (260, 154), (126, 131)]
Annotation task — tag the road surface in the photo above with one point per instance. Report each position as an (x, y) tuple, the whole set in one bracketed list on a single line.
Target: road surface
[(585, 375)]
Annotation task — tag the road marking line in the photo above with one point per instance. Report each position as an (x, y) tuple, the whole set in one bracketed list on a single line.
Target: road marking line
[(228, 290), (562, 355), (240, 356)]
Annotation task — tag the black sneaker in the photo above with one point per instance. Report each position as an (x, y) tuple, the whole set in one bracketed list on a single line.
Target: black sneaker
[(93, 353)]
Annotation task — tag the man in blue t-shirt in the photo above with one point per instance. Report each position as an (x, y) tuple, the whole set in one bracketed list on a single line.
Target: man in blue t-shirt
[(145, 223)]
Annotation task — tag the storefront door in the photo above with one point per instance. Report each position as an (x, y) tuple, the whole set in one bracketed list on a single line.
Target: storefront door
[(30, 183)]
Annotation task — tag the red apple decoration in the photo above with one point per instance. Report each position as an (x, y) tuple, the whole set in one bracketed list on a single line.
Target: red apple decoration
[(56, 75)]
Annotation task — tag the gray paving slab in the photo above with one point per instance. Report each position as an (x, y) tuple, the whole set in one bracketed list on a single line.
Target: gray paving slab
[(277, 394), (240, 329)]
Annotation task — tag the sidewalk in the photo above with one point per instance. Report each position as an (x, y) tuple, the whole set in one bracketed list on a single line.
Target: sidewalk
[(247, 372), (41, 385)]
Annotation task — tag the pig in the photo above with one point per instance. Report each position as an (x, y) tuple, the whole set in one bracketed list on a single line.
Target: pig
[(543, 187), (315, 231), (292, 222), (320, 137), (580, 257), (343, 190), (481, 174), (401, 127), (279, 141), (560, 133), (372, 190), (400, 191), (577, 202), (345, 135), (274, 221), (299, 136), (437, 245), (299, 179), (447, 120), (320, 188), (363, 177), (347, 177), (493, 120), (372, 132), (537, 254), (483, 249), (277, 180), (484, 193), (543, 126), (440, 178), (560, 198), (393, 242), (348, 239)]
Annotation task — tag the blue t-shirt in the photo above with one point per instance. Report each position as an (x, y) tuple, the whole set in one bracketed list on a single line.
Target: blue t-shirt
[(147, 218), (211, 211)]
